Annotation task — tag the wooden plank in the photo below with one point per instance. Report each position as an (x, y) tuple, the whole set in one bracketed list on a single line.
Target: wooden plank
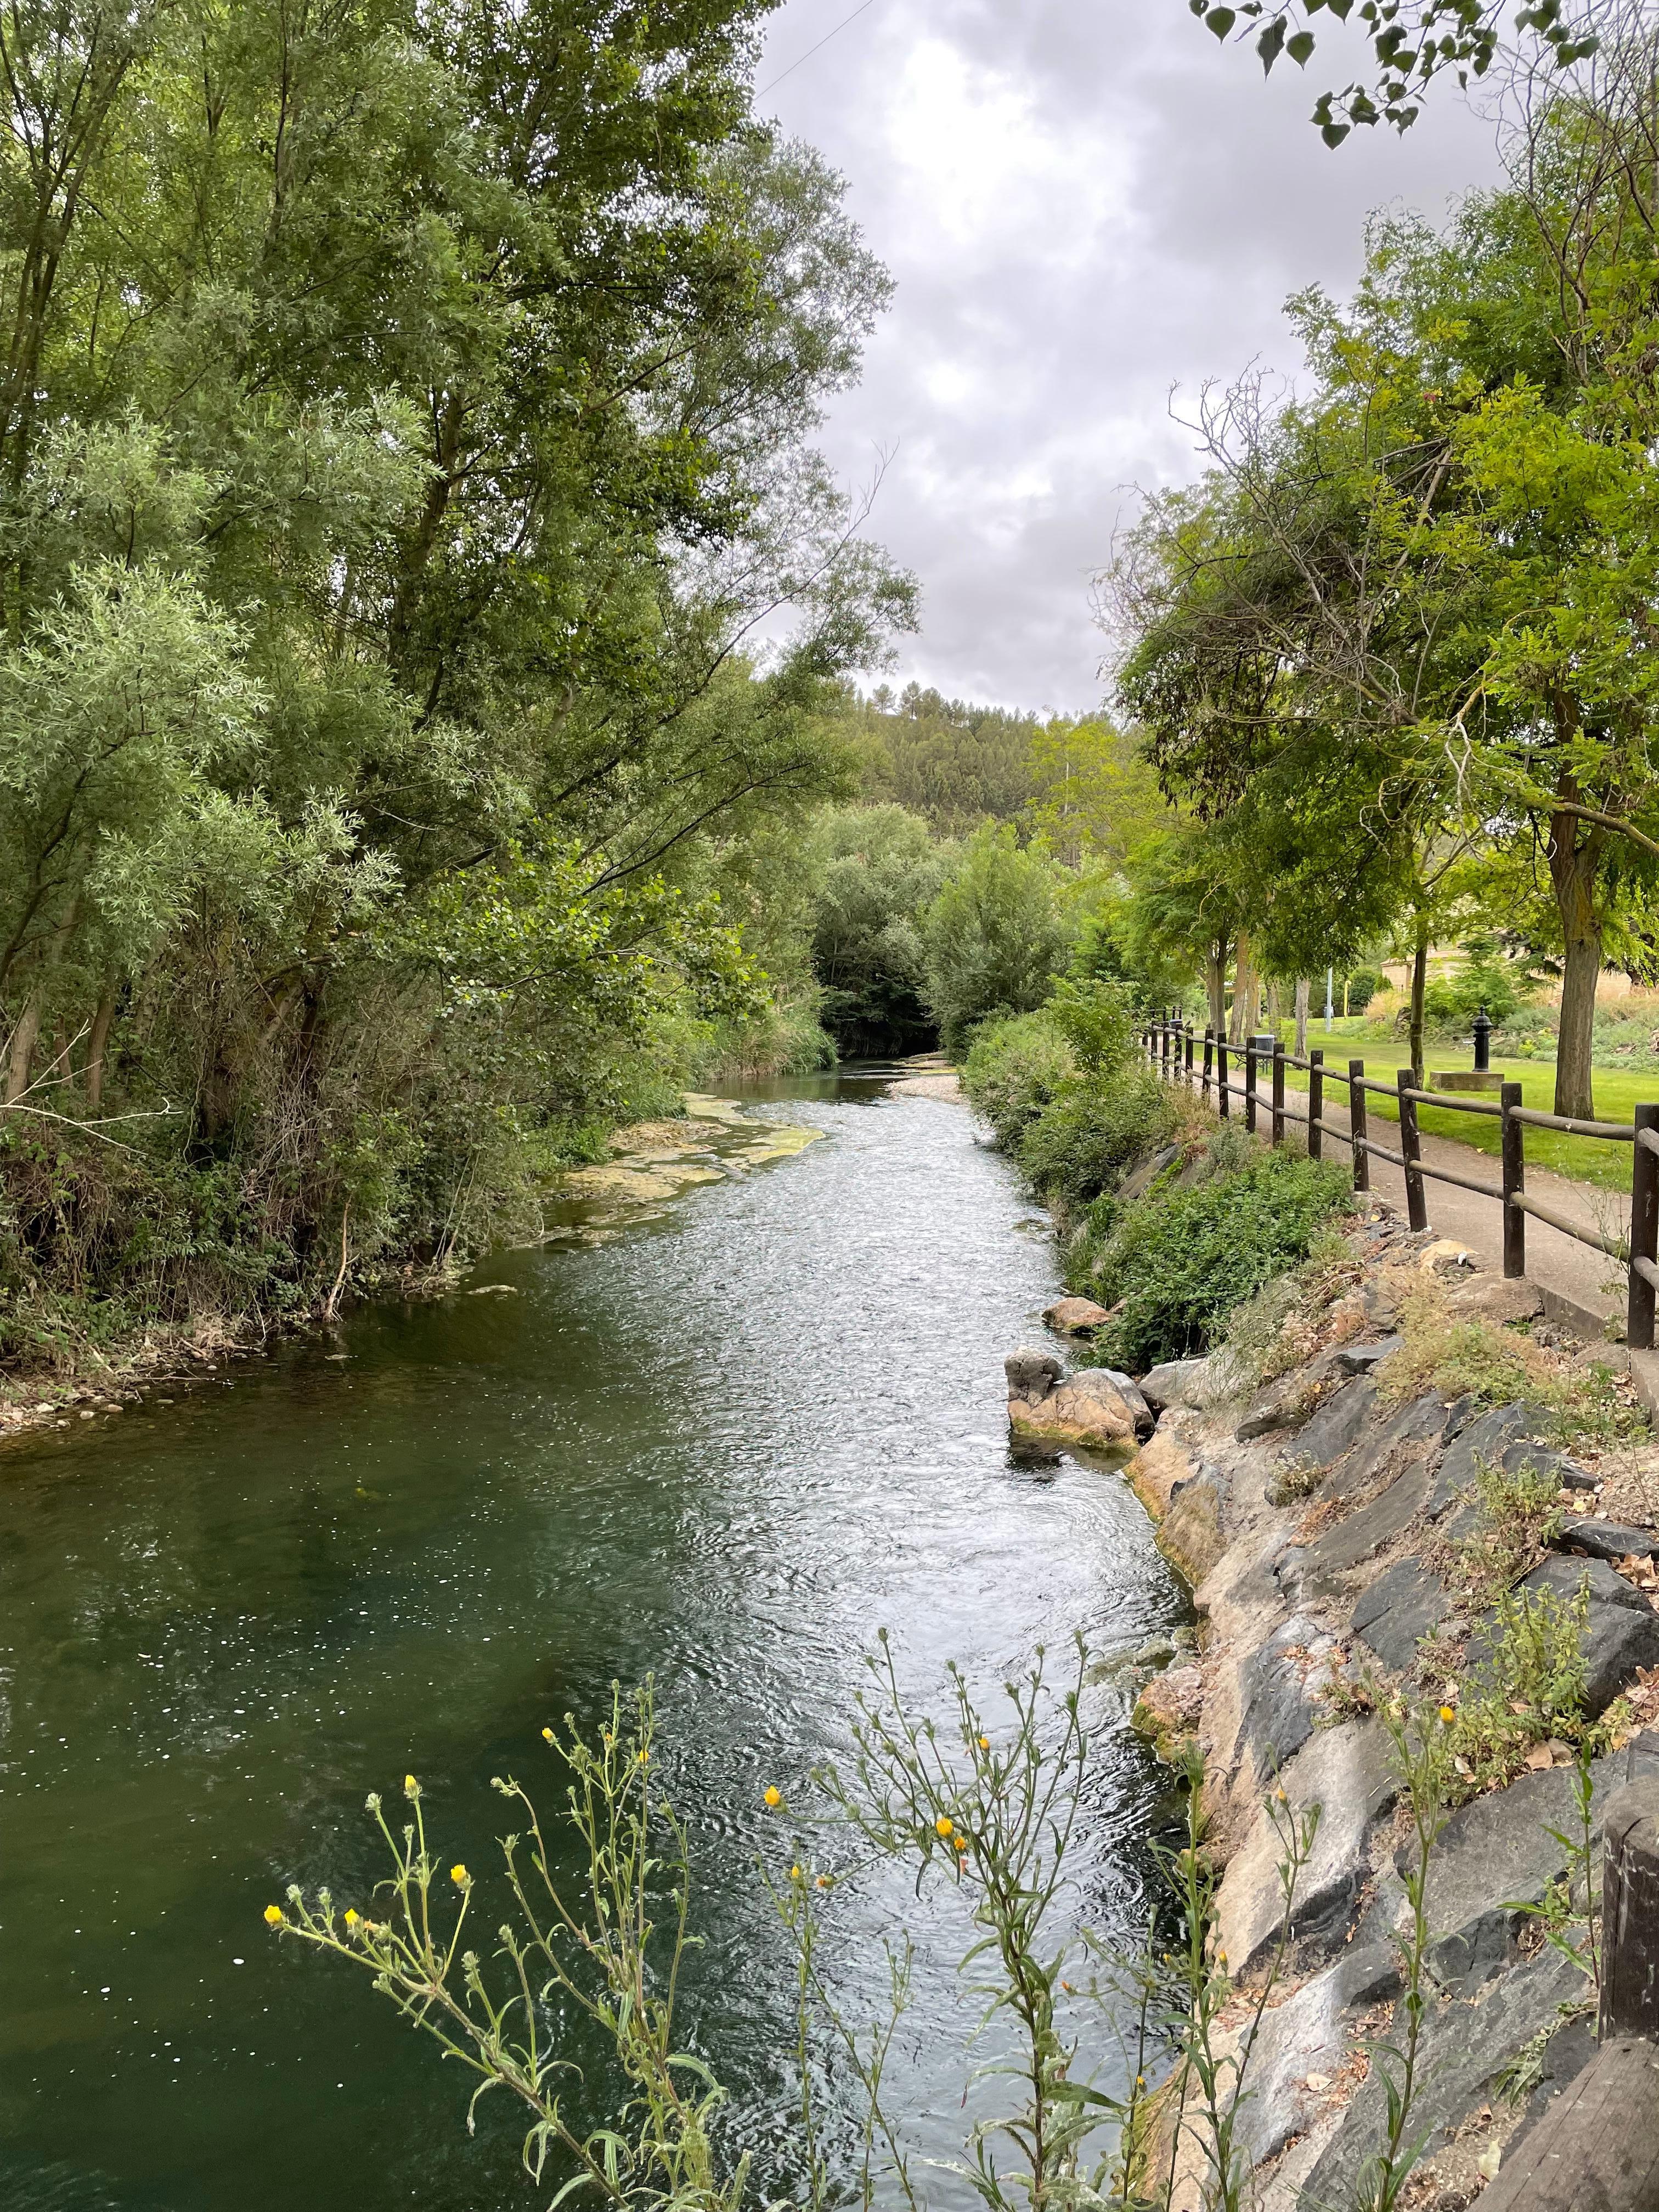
[(1596, 2150)]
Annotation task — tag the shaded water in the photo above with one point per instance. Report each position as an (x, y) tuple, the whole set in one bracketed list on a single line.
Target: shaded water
[(728, 1447)]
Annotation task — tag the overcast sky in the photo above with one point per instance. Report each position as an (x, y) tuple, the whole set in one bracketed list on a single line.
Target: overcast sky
[(1083, 202)]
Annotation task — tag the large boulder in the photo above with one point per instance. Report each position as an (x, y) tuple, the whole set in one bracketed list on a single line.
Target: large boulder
[(1076, 1317), (1346, 1772), (1094, 1405), (1164, 1464), (1177, 1383), (1495, 1298)]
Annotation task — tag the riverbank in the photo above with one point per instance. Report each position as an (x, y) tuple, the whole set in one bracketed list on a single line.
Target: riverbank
[(652, 1164), (1414, 1497)]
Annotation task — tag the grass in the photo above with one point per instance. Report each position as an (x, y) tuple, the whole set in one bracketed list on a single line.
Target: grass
[(1587, 1159)]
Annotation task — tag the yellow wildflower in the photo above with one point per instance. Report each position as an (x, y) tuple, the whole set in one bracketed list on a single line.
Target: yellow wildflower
[(945, 1824), (774, 1795), (824, 1881), (459, 1876), (273, 1916), (547, 1736), (794, 1873), (351, 1917), (1447, 1716), (410, 1785), (985, 1743)]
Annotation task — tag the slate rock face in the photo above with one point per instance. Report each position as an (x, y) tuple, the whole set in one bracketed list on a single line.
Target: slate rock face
[(1419, 1424), (1566, 1473), (1621, 1632), (1482, 1443), (1348, 1773), (1307, 2034), (1334, 1427), (1606, 1586), (1364, 1359), (1463, 2049), (1279, 1716), (1608, 1539), (1494, 1854), (1319, 1568), (1406, 1603)]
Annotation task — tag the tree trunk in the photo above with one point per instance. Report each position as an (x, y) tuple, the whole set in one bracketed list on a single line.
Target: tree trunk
[(1275, 1008), (1215, 984), (97, 1045), (1574, 866), (1243, 992), (1419, 986), (22, 1055), (1303, 993)]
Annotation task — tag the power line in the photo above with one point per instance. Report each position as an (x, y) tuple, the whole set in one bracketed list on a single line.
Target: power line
[(761, 90)]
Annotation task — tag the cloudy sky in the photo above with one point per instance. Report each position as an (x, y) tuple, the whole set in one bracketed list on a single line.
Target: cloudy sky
[(1084, 202)]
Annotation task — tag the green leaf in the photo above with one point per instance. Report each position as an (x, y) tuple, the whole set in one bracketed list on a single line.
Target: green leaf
[(1271, 43), (1333, 133), (1220, 20), (1300, 47)]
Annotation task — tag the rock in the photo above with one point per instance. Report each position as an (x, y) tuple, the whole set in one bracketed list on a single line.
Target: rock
[(1094, 1405), (1335, 1427), (1156, 1651), (1409, 1434), (1177, 1383), (1302, 2043), (1483, 1443), (1494, 1855), (1160, 1467), (1075, 1316), (1140, 1181), (1445, 1256), (1398, 1608), (1170, 1706), (1606, 1586), (1191, 1537), (1362, 1358), (1318, 1569), (1345, 1770), (1277, 1716), (1463, 2049), (1287, 1403), (1608, 1539), (1031, 1375), (1496, 1298), (1566, 1473)]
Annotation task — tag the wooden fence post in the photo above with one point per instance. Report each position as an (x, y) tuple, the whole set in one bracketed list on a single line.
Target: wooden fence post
[(1630, 1913), (1644, 1229), (1250, 1084), (1168, 1038), (1411, 1148), (1278, 1090), (1316, 1103), (1209, 1061), (1362, 1159), (1223, 1098), (1514, 1182), (1189, 1055)]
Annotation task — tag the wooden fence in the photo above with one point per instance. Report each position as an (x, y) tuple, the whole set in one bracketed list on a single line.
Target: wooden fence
[(1174, 1049)]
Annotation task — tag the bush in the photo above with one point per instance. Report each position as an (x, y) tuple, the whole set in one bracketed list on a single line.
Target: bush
[(1180, 1262), (1451, 1002), (1363, 987), (995, 936), (1080, 1145), (1016, 1069)]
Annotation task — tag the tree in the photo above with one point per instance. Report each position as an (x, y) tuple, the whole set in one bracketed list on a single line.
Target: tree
[(995, 935), (1097, 797), (877, 869), (1413, 42)]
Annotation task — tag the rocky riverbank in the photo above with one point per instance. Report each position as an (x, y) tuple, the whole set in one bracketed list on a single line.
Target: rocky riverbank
[(1363, 1531)]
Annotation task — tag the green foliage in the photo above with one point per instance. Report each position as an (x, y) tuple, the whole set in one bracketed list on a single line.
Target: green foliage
[(1451, 1002), (1082, 1142), (1014, 1069), (1183, 1261), (875, 868), (1525, 1687), (1361, 986), (995, 935), (956, 765)]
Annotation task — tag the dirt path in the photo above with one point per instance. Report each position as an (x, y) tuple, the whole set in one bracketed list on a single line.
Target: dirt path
[(1564, 1270)]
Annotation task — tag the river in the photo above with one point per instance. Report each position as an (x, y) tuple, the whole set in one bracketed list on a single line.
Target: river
[(729, 1447)]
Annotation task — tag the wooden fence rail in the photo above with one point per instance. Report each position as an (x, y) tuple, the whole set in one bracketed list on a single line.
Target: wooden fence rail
[(1173, 1050)]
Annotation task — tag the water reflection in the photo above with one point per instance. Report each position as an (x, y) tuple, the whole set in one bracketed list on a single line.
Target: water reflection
[(727, 1448)]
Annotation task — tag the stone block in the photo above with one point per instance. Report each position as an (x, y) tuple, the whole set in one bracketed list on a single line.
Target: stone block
[(1566, 1473), (1496, 1298), (1347, 1773), (1277, 1717), (1483, 1443), (1405, 1603), (1176, 1382), (1411, 1432), (1364, 1359), (1192, 1536), (1301, 2045), (1075, 1316), (1335, 1427), (1321, 1568), (1608, 1539)]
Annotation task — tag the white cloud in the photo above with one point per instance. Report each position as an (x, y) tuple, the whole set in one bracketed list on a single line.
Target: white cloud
[(1083, 202)]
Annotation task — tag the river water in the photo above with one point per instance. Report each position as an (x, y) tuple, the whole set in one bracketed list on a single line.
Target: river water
[(728, 1447)]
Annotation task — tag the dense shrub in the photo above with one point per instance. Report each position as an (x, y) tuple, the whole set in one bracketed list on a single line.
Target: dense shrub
[(1080, 1144), (995, 936), (1015, 1069), (1451, 1002), (1181, 1262), (1363, 987)]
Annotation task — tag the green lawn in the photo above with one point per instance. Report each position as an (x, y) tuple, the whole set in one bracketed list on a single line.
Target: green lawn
[(1588, 1158)]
